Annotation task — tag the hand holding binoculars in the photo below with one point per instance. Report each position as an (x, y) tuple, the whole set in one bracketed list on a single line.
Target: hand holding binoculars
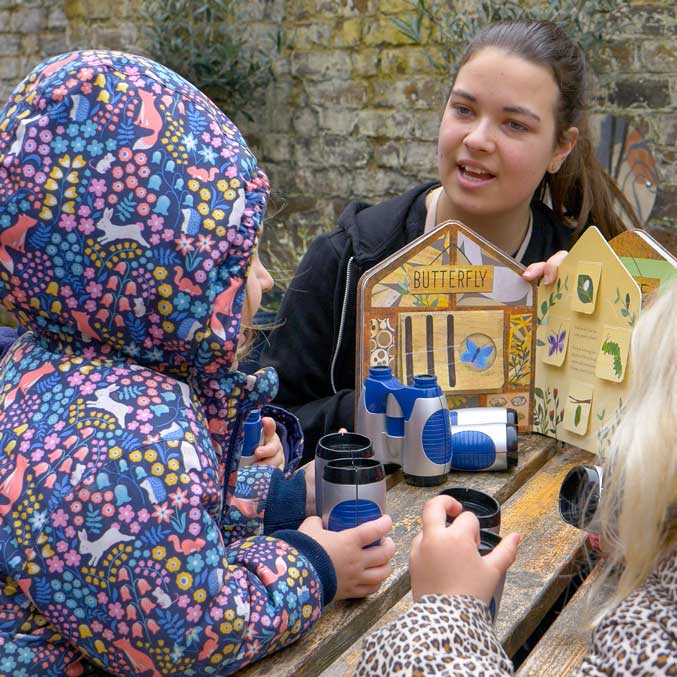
[(253, 438), (411, 426)]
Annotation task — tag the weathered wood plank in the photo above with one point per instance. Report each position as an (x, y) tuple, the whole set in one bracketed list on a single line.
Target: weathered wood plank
[(562, 648), (546, 560), (549, 555), (344, 622)]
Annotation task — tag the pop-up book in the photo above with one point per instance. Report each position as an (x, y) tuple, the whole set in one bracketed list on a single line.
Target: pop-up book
[(452, 304)]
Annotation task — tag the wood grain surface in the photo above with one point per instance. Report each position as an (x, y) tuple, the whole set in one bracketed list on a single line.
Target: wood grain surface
[(547, 558), (344, 622)]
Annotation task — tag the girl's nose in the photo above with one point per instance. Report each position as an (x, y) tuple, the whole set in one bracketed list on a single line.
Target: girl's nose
[(480, 137), (266, 278)]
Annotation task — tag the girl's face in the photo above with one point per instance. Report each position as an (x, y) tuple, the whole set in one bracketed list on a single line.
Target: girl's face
[(498, 138), (259, 281)]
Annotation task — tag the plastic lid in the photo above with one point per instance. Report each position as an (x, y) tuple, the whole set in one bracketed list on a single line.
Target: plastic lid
[(425, 381), (380, 373), (344, 445), (354, 471)]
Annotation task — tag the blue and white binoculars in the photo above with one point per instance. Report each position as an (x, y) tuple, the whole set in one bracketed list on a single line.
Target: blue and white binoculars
[(253, 438), (408, 425), (411, 426)]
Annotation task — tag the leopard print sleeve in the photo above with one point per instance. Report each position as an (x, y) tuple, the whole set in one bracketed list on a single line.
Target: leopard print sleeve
[(438, 635), (639, 637)]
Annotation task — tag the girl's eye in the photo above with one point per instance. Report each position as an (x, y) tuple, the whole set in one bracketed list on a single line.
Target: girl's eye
[(461, 110), (517, 126)]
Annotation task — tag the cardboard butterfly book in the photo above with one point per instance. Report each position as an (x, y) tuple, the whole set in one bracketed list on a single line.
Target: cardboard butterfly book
[(452, 304)]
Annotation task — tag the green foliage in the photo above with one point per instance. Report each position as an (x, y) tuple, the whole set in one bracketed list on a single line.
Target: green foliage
[(610, 347), (201, 41), (453, 23)]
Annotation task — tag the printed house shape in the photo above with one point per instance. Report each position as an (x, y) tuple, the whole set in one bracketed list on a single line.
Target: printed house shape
[(452, 304)]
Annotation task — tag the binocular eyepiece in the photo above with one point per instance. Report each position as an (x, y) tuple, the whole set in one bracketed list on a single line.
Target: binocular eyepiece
[(253, 438), (579, 497)]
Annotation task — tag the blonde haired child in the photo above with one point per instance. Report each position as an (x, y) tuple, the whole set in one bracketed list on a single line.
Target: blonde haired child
[(635, 628)]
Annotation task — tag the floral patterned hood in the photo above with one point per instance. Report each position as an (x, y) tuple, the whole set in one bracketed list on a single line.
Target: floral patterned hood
[(129, 208)]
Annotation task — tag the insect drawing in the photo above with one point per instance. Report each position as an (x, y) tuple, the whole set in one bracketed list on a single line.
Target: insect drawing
[(556, 342), (477, 357)]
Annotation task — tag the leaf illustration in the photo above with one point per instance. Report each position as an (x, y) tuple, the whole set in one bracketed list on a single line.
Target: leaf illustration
[(577, 415), (585, 288), (612, 348)]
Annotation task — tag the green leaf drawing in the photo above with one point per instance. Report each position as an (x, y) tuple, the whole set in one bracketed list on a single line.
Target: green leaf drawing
[(612, 348), (585, 288), (577, 415)]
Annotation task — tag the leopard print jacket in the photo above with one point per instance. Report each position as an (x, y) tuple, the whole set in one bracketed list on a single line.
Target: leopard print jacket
[(453, 636)]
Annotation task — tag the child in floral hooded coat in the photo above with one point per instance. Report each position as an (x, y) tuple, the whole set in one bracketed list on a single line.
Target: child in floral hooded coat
[(129, 213)]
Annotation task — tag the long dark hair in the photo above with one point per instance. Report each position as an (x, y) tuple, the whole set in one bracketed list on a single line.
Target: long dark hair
[(581, 190)]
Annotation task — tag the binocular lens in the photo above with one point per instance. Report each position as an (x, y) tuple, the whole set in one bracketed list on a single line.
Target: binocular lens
[(344, 445), (579, 495)]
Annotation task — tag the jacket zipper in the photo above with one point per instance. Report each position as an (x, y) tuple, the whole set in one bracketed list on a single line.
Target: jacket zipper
[(341, 325)]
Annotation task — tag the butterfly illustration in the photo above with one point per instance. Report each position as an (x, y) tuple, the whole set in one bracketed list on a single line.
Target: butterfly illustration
[(556, 342), (476, 356)]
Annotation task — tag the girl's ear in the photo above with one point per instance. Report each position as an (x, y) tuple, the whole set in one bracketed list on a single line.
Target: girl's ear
[(562, 149)]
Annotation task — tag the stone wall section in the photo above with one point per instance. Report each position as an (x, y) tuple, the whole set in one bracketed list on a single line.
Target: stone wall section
[(354, 110)]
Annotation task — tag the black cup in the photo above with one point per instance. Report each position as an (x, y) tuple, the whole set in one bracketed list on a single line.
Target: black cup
[(336, 447), (485, 507)]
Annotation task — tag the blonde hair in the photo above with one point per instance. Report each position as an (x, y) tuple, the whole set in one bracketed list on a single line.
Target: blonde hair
[(638, 508)]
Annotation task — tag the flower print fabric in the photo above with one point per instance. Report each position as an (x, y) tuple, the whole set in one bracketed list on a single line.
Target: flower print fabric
[(129, 209)]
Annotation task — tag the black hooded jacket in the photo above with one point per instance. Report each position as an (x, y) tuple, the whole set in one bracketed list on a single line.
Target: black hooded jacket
[(313, 349)]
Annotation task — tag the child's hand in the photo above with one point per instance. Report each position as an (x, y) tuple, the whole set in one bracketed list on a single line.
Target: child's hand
[(311, 507), (359, 570), (445, 560), (545, 269), (271, 451)]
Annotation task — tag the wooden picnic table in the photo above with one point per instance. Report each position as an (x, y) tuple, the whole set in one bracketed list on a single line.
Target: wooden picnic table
[(551, 552)]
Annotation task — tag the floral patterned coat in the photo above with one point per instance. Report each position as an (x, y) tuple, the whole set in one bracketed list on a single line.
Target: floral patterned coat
[(129, 542)]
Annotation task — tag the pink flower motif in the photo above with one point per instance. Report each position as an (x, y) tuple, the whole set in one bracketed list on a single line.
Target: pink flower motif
[(61, 546), (59, 425), (145, 428), (84, 210), (183, 601), (193, 613), (101, 598), (86, 226), (69, 532), (37, 455), (87, 389), (94, 289), (98, 187), (144, 414), (115, 610), (126, 513), (51, 441), (156, 222), (72, 558), (107, 633), (55, 565), (99, 202), (97, 626), (76, 379), (143, 515), (67, 222), (231, 172)]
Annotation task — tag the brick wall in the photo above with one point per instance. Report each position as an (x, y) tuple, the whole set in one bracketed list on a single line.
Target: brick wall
[(355, 107)]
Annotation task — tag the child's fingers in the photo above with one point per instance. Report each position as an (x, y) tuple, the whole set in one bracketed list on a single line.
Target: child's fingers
[(435, 513), (268, 425), (466, 525), (503, 555), (534, 271), (378, 555), (375, 575), (552, 266), (371, 531)]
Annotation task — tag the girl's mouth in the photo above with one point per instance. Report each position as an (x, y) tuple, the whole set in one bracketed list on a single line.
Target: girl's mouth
[(474, 174)]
